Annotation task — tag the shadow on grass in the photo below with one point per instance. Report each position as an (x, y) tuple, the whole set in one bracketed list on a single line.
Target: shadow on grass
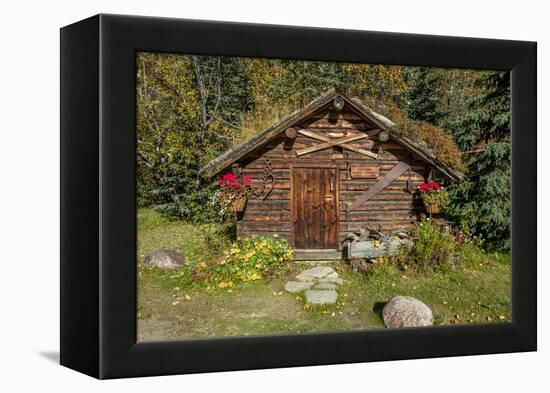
[(378, 307)]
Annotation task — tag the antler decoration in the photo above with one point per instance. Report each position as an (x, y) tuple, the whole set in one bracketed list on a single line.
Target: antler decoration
[(268, 177)]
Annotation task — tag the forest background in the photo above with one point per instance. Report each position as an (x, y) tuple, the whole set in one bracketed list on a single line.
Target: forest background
[(190, 109)]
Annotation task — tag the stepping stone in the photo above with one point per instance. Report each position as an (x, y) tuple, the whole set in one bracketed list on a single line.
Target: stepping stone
[(321, 296), (315, 273), (297, 286), (325, 285), (332, 280)]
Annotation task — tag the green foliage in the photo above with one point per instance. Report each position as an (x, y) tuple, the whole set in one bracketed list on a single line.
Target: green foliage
[(436, 198), (250, 260), (434, 247), (488, 115), (422, 98), (189, 109), (482, 201)]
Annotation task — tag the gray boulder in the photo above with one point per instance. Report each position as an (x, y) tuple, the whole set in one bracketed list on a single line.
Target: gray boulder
[(164, 259), (406, 311)]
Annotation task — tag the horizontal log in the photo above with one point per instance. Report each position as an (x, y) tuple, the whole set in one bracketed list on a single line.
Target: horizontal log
[(373, 206), (363, 186), (244, 234), (267, 205), (405, 217), (383, 227), (279, 184), (259, 163), (256, 173), (273, 216), (260, 226), (274, 195), (386, 225)]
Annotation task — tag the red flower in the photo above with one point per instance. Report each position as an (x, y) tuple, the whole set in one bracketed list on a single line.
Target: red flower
[(429, 186), (229, 180), (435, 186), (229, 177), (424, 187)]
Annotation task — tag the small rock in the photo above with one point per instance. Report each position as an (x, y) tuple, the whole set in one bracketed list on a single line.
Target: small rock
[(321, 296), (406, 311), (297, 286), (316, 272), (164, 259), (325, 285)]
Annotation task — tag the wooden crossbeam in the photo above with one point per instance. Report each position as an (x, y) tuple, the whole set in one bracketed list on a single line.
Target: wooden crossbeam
[(330, 143), (317, 136), (393, 174)]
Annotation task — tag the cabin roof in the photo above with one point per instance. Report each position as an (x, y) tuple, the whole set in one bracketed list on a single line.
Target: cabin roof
[(233, 155)]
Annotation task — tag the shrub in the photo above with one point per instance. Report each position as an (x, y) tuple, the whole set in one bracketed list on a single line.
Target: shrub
[(252, 259), (434, 247)]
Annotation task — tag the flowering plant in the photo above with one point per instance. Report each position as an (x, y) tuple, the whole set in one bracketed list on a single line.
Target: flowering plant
[(433, 196), (232, 190), (251, 259)]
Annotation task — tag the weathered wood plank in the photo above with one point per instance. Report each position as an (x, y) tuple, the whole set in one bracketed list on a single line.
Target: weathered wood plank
[(264, 226), (273, 216), (374, 206), (405, 217), (356, 225), (350, 185), (351, 196), (267, 205), (279, 184)]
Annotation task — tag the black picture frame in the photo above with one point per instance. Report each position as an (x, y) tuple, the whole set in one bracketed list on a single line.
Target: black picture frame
[(98, 196)]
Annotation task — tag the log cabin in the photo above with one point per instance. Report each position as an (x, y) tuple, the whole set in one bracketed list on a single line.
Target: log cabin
[(332, 168)]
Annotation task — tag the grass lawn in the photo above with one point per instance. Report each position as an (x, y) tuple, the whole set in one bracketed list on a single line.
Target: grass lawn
[(172, 305)]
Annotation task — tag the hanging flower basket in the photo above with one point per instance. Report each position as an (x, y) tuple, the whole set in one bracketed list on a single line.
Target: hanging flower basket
[(238, 205), (433, 209), (433, 196), (233, 193)]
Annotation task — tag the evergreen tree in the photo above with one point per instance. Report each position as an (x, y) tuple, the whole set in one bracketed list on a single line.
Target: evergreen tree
[(482, 201), (422, 100)]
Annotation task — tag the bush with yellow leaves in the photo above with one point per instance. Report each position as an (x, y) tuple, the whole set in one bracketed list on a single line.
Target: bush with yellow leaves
[(251, 259)]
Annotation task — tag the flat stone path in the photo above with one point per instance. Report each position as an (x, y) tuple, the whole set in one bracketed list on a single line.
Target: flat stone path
[(319, 284)]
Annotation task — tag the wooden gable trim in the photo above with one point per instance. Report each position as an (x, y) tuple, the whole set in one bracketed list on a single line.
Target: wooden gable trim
[(317, 136)]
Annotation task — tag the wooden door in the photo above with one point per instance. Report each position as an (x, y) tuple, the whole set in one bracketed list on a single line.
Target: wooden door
[(314, 204)]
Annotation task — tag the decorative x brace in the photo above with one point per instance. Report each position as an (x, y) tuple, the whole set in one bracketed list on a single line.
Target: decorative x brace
[(343, 142)]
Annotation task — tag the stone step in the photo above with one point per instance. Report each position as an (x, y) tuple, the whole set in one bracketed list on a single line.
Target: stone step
[(317, 255)]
